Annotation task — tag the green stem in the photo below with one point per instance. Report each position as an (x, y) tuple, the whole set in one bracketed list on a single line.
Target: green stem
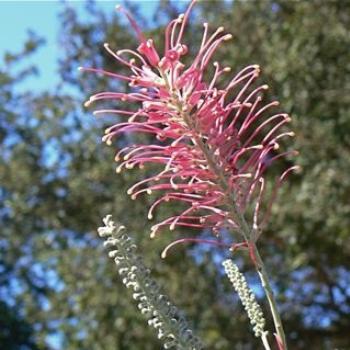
[(260, 267)]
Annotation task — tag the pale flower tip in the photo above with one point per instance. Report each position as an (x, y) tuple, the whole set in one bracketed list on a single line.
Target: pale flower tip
[(153, 233), (121, 228), (80, 68), (129, 191), (276, 146), (149, 216), (228, 37), (87, 103), (118, 7), (298, 169), (296, 153), (265, 87), (172, 227), (133, 197), (163, 254)]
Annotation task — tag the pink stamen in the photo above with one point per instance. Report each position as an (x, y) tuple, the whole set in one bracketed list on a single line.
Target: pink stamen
[(133, 23), (193, 240), (184, 21), (104, 72)]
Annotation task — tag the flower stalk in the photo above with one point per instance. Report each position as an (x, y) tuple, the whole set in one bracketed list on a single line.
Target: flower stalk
[(248, 235), (247, 297), (264, 278), (214, 142), (172, 328)]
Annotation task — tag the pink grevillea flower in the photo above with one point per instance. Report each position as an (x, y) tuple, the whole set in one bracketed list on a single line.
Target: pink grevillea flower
[(214, 144)]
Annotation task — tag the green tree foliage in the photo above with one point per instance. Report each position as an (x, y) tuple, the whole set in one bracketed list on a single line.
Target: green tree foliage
[(58, 181)]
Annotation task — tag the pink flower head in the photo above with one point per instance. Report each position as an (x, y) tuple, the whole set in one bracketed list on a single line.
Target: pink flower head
[(214, 144)]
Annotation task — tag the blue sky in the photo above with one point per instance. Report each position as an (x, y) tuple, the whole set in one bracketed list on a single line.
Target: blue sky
[(17, 17)]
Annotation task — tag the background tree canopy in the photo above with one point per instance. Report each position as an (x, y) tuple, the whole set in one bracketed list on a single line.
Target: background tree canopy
[(57, 287)]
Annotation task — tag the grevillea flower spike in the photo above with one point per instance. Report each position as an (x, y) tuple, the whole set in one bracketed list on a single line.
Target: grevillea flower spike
[(214, 143)]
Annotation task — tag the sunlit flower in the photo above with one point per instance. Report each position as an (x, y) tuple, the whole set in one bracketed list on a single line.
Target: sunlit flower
[(214, 143)]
